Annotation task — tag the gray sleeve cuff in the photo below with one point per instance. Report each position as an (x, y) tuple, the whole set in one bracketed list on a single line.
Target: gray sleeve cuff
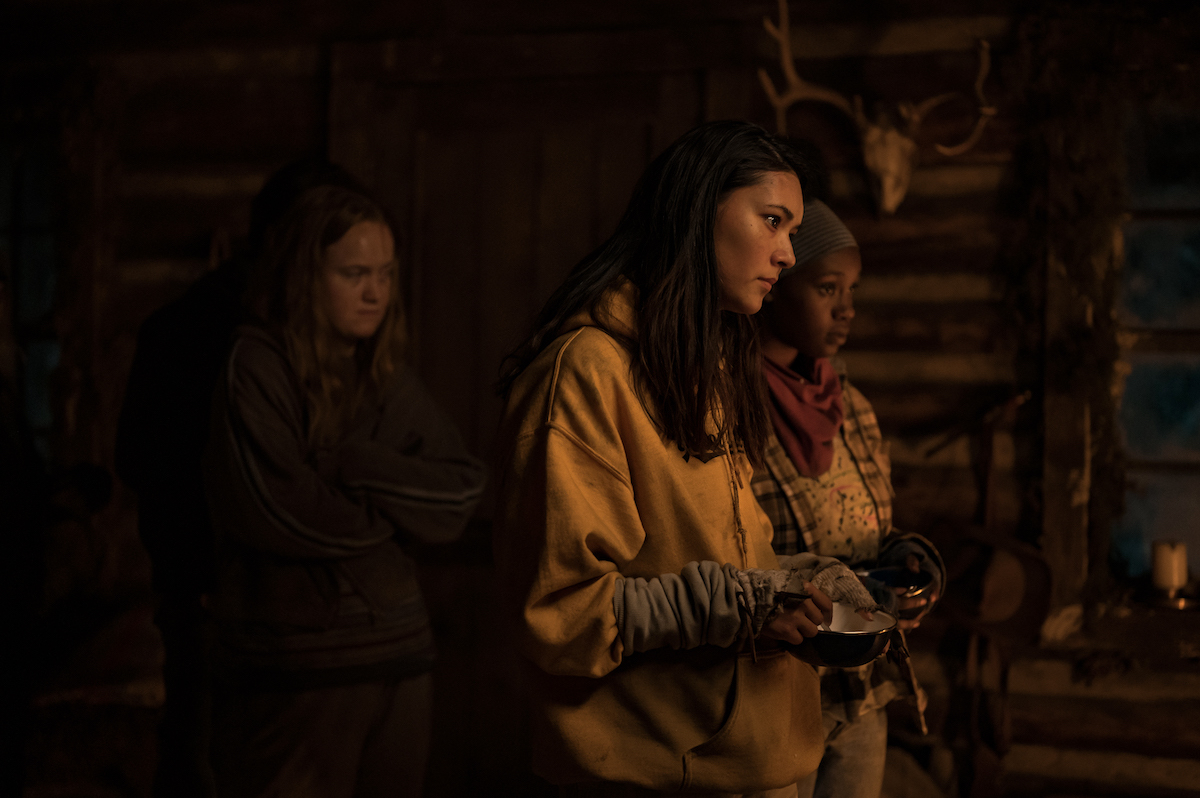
[(696, 607)]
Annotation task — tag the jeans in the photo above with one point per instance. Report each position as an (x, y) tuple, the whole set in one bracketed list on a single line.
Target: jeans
[(852, 766)]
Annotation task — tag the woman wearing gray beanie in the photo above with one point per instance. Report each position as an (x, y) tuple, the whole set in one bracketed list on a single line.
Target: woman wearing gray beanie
[(826, 485)]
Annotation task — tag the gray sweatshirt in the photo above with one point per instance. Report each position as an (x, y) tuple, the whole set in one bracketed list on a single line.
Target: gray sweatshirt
[(314, 584)]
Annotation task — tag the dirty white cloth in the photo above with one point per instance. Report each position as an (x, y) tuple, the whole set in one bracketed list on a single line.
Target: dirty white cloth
[(709, 604)]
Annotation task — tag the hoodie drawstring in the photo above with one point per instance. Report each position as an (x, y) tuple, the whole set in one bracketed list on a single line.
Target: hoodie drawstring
[(735, 484)]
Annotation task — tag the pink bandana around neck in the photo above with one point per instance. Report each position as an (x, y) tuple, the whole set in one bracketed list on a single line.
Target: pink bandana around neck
[(806, 415)]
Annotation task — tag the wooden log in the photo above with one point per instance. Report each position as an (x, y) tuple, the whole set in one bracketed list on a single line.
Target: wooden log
[(947, 328), (952, 180), (534, 103), (933, 409), (925, 496), (652, 48), (958, 231), (1138, 774), (227, 121), (927, 258), (1048, 678), (904, 37), (946, 180), (916, 368), (175, 65), (179, 26), (916, 452), (924, 288), (156, 227), (204, 184), (522, 56), (156, 271), (934, 451)]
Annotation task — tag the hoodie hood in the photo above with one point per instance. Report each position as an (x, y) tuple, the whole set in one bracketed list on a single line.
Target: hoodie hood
[(615, 313)]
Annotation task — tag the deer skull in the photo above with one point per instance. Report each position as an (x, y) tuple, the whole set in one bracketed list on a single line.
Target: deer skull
[(889, 153), (890, 157)]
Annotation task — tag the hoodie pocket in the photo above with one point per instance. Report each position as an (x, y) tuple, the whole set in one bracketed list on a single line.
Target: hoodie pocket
[(773, 734)]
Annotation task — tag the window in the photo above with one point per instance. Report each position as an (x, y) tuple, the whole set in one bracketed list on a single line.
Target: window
[(30, 270), (1160, 305)]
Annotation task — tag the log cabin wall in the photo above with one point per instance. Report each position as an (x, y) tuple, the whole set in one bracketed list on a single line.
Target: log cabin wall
[(508, 157), (157, 155), (192, 135), (930, 345), (506, 142)]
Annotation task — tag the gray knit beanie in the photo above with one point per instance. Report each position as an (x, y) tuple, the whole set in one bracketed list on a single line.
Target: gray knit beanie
[(821, 232)]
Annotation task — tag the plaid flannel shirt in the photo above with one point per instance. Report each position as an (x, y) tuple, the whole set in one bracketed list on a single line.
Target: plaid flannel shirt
[(845, 692)]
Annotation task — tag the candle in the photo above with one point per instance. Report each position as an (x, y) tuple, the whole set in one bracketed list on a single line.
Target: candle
[(1170, 565)]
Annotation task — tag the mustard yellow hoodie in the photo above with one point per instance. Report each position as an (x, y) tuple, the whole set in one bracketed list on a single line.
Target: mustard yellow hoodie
[(592, 492)]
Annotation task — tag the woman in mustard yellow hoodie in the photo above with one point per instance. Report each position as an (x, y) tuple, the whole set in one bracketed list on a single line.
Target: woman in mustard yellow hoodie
[(637, 565)]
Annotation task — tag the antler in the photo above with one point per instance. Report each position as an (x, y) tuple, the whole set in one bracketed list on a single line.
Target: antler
[(889, 154), (915, 114), (986, 111), (797, 89)]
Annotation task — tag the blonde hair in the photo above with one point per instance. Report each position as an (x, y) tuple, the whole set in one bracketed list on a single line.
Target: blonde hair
[(284, 294)]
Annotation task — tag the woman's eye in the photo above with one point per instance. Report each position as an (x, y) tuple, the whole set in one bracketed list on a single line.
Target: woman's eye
[(774, 221)]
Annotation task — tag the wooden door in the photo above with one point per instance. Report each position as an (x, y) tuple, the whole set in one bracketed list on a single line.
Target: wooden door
[(499, 186)]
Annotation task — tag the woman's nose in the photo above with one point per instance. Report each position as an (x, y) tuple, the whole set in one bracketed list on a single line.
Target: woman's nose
[(845, 307), (375, 288), (785, 257)]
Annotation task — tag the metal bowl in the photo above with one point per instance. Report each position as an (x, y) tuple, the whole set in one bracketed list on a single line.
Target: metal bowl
[(851, 641), (914, 583)]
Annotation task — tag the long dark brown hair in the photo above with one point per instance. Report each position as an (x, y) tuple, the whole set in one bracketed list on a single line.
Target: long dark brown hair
[(693, 361), (283, 293)]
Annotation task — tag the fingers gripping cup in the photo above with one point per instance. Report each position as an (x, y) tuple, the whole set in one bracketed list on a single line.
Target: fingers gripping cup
[(850, 641)]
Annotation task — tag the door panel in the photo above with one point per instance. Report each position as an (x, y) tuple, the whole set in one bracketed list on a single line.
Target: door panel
[(498, 188)]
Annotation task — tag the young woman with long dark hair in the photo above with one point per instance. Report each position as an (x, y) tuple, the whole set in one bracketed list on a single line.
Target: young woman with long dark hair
[(327, 457), (635, 561)]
